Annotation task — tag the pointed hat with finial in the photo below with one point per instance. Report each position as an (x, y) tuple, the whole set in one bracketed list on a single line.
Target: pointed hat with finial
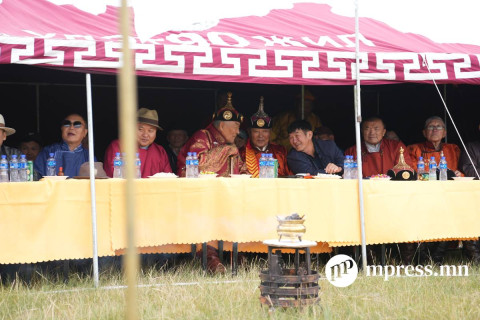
[(260, 119), (228, 112)]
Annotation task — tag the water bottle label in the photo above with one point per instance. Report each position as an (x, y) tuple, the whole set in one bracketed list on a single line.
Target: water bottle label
[(117, 163), (188, 162), (51, 163), (433, 166), (138, 163), (195, 162), (22, 165), (421, 167), (3, 166), (262, 163), (443, 166), (13, 165)]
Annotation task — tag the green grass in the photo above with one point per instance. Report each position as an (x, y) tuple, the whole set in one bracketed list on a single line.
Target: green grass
[(186, 292)]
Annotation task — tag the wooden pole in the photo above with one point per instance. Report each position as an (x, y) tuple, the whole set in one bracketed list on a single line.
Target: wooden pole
[(127, 93)]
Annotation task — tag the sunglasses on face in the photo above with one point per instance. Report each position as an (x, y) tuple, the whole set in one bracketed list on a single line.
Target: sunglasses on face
[(76, 124), (431, 128)]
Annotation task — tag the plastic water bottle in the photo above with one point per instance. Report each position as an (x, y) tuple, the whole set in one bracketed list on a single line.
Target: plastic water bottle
[(194, 165), (347, 167), (117, 166), (4, 169), (188, 166), (51, 165), (138, 166), (354, 171), (270, 165), (262, 166), (432, 176), (22, 169), (14, 169), (421, 169), (443, 169)]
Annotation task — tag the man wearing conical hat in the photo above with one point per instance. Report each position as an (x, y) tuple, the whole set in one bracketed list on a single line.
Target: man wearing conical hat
[(215, 145), (153, 157), (259, 142), (4, 132)]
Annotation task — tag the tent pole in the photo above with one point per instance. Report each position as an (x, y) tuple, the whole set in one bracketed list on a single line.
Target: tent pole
[(358, 120), (91, 161), (127, 97)]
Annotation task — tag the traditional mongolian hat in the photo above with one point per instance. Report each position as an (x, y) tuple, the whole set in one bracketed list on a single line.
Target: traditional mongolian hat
[(148, 116), (260, 119), (228, 112)]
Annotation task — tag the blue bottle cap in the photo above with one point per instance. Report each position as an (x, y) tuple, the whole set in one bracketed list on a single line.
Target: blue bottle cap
[(14, 156), (22, 156), (420, 158), (51, 155), (189, 154), (4, 156), (117, 154)]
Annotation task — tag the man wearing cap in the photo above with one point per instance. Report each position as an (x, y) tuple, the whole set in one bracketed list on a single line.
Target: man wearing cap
[(215, 146), (259, 142), (153, 157), (283, 120), (310, 155), (4, 132)]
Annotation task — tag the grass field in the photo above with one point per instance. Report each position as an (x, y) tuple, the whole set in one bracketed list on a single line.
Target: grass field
[(186, 292)]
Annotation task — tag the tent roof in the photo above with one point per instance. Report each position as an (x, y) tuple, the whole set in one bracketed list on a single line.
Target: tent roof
[(276, 42)]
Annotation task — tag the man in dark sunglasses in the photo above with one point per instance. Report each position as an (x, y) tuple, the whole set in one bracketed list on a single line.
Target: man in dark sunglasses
[(69, 154)]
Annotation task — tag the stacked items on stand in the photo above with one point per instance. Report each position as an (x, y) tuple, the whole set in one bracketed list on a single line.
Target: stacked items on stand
[(289, 287)]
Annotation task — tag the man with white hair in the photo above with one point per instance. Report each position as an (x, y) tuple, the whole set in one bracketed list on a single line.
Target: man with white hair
[(434, 131), (4, 133)]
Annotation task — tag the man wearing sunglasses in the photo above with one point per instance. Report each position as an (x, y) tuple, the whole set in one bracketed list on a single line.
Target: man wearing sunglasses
[(434, 132), (70, 153)]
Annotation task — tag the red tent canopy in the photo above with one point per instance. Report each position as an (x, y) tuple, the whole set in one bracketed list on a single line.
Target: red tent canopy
[(305, 43)]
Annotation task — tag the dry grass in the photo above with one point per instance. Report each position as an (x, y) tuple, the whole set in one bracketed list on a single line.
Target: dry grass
[(186, 292)]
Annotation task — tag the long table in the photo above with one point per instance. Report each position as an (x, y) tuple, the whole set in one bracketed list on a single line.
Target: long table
[(51, 220)]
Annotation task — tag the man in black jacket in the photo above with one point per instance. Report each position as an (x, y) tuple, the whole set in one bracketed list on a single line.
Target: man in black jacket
[(311, 155)]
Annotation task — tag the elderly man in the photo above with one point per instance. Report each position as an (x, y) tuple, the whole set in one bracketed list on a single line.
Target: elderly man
[(153, 157), (466, 166), (259, 142), (215, 146), (70, 153), (378, 154), (309, 155), (4, 133), (434, 131), (280, 133)]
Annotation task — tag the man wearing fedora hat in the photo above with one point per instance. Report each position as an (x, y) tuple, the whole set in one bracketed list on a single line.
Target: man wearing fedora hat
[(215, 145), (259, 142), (4, 132), (153, 156)]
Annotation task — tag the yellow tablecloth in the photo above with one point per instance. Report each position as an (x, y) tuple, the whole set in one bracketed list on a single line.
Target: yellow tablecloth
[(50, 220)]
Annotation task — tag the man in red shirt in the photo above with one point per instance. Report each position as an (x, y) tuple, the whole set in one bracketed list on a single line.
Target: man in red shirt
[(153, 157)]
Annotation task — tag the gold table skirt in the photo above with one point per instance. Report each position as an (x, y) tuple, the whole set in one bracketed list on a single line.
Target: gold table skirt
[(51, 220)]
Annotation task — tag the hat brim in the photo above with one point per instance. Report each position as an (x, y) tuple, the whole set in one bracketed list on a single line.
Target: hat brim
[(8, 131), (153, 125)]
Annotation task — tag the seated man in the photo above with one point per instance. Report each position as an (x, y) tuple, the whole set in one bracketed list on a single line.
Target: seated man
[(280, 133), (153, 157), (70, 153), (465, 165), (217, 153), (309, 155), (378, 154), (177, 136), (434, 132), (30, 146), (4, 133), (215, 146), (259, 142)]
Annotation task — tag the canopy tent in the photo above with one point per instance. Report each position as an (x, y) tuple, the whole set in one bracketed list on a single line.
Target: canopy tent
[(275, 42), (297, 43)]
